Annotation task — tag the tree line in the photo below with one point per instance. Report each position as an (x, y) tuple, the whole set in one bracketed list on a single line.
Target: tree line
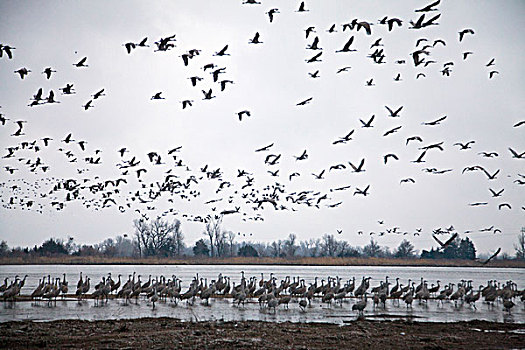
[(162, 238)]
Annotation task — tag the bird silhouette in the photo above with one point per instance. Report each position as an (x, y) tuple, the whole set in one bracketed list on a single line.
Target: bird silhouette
[(302, 8), (304, 102), (222, 52), (392, 131), (492, 256), (271, 14), (81, 63), (359, 168), (367, 124), (346, 47), (129, 47), (516, 154), (395, 113), (388, 156), (245, 112), (435, 122), (362, 192), (315, 58), (430, 7), (48, 71), (265, 148), (492, 73), (463, 32), (255, 39), (23, 72), (314, 45), (309, 30)]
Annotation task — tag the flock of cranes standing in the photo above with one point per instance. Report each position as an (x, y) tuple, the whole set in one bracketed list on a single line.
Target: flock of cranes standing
[(269, 293)]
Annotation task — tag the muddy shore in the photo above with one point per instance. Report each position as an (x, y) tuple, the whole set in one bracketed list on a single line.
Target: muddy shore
[(158, 333)]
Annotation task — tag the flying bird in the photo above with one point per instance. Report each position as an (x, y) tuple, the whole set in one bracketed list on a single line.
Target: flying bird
[(395, 113), (429, 7), (492, 256), (271, 13), (222, 52), (435, 122), (516, 154), (157, 96), (302, 103), (265, 148), (315, 58), (303, 156), (319, 176), (463, 32), (48, 72), (245, 112), (464, 146), (363, 192), (81, 63), (447, 243), (23, 72), (345, 138), (98, 94), (388, 156), (391, 131), (414, 138), (346, 47), (359, 168), (367, 124), (129, 47), (504, 205), (314, 45), (492, 73), (255, 39), (496, 193)]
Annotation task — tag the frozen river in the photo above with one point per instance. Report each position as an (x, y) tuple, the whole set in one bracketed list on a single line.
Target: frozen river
[(223, 309)]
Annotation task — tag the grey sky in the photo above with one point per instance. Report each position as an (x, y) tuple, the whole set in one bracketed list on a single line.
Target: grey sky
[(269, 80)]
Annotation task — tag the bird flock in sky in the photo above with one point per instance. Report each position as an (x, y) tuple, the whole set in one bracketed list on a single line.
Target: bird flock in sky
[(130, 189)]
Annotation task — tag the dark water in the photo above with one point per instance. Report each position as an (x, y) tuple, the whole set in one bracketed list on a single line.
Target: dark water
[(224, 309)]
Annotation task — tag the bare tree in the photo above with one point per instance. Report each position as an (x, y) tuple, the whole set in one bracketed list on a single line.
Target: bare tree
[(213, 229), (220, 242), (520, 247), (289, 245), (343, 247), (372, 249), (178, 239), (329, 245), (231, 239), (315, 246), (276, 247), (156, 237)]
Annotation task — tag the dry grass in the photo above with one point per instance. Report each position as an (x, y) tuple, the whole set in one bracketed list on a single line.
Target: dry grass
[(321, 261)]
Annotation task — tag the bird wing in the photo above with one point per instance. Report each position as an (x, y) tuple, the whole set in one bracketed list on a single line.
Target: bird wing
[(348, 43), (492, 256), (450, 240)]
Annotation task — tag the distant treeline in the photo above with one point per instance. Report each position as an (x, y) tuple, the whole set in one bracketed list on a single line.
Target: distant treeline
[(163, 239)]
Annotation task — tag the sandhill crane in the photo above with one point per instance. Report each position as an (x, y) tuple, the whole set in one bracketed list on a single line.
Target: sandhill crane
[(360, 305), (272, 302), (64, 286), (81, 63), (154, 298)]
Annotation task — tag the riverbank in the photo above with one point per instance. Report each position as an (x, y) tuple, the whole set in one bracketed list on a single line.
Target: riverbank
[(157, 333), (307, 261)]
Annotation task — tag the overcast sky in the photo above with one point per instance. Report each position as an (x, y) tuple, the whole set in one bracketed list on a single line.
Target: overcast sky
[(269, 79)]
